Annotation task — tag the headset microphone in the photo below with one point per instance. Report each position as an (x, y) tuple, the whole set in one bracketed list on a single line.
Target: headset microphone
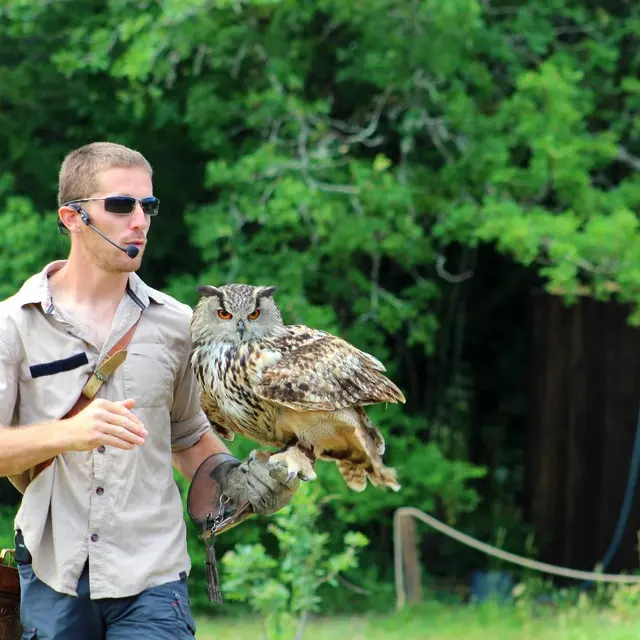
[(131, 250)]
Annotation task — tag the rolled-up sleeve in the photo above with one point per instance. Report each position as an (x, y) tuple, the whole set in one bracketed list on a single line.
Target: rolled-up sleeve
[(188, 421), (8, 383)]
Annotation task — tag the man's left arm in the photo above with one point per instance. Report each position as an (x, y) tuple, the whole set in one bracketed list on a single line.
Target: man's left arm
[(188, 460)]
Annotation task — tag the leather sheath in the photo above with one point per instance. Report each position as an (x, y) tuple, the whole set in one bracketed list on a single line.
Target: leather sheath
[(10, 627)]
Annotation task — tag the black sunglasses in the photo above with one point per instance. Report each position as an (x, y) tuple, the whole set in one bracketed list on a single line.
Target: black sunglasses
[(124, 205)]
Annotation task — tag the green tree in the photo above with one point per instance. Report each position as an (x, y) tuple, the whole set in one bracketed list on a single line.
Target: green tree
[(367, 159)]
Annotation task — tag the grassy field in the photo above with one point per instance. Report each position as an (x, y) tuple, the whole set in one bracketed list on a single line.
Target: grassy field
[(439, 622)]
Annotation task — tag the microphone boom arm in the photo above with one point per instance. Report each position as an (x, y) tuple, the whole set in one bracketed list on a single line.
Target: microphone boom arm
[(131, 250)]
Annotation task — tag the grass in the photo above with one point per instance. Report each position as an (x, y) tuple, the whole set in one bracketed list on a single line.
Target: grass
[(441, 622)]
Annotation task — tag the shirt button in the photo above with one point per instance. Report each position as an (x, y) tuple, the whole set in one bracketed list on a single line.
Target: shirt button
[(99, 491), (101, 448), (94, 537)]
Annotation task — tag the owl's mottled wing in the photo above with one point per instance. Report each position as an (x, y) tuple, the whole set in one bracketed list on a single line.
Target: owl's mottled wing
[(220, 424), (319, 371)]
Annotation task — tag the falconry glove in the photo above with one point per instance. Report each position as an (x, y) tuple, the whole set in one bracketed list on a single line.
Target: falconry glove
[(253, 481), (225, 491)]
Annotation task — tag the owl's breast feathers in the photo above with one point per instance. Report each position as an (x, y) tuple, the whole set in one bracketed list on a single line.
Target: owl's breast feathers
[(226, 372)]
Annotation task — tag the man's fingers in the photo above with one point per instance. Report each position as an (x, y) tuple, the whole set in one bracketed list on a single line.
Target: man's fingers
[(119, 407), (112, 441), (254, 483), (121, 427), (124, 418), (260, 473), (267, 499), (125, 407), (122, 433), (279, 472), (120, 424)]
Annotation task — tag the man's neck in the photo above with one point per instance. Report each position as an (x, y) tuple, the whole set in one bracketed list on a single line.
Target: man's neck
[(86, 285)]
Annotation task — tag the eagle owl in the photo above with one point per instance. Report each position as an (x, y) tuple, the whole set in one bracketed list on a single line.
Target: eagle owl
[(298, 389)]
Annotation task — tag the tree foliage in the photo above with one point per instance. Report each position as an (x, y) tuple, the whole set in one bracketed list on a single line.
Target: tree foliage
[(361, 157)]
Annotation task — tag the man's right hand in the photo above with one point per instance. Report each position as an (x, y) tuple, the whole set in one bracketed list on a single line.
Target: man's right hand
[(108, 423)]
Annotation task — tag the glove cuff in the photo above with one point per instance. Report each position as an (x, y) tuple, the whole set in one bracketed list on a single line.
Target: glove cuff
[(223, 464), (205, 487)]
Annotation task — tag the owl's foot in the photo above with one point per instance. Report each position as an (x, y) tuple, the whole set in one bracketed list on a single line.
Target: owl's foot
[(291, 463)]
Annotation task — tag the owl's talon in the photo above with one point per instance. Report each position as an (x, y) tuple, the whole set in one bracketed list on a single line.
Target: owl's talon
[(257, 455), (285, 466)]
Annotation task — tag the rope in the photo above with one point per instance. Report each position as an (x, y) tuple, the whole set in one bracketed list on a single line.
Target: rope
[(489, 550), (626, 503)]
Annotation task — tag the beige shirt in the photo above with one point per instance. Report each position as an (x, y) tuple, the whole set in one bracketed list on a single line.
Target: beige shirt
[(120, 509)]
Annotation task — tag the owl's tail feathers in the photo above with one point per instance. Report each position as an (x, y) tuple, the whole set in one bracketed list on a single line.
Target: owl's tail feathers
[(356, 476)]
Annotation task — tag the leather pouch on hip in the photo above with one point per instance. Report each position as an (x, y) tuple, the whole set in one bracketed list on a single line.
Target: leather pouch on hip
[(10, 627)]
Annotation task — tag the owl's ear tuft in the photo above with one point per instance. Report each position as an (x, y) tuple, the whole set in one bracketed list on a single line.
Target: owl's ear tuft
[(266, 292), (208, 290)]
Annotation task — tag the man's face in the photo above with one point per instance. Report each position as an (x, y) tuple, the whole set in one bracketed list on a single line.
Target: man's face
[(121, 229)]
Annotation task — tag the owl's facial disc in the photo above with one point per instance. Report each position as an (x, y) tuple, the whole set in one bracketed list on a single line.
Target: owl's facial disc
[(236, 313)]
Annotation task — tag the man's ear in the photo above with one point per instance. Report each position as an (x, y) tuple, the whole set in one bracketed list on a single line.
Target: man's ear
[(70, 217)]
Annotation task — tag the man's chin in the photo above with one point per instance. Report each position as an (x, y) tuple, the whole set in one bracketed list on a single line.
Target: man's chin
[(126, 264)]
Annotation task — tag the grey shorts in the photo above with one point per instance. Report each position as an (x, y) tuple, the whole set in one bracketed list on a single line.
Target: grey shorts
[(158, 613)]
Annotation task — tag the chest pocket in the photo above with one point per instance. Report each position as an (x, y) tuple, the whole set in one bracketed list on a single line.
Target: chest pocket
[(50, 385), (148, 375)]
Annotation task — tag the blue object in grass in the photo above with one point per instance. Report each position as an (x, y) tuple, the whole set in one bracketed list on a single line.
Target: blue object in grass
[(491, 585)]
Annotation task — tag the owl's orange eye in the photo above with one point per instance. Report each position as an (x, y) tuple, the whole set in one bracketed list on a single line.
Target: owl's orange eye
[(254, 315), (224, 315)]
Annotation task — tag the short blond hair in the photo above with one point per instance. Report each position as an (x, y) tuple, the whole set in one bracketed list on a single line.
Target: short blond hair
[(79, 169)]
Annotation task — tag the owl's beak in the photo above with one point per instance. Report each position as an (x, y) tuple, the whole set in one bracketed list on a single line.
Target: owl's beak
[(241, 328)]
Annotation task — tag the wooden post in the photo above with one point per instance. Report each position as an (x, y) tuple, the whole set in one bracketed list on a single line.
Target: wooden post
[(411, 559)]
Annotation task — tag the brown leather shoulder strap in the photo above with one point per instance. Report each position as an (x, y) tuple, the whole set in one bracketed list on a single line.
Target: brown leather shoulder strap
[(123, 343), (115, 357)]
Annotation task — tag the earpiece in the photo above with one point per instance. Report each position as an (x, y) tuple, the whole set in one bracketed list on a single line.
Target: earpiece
[(83, 214)]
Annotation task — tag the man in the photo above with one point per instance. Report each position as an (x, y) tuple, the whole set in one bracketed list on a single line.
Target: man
[(100, 533)]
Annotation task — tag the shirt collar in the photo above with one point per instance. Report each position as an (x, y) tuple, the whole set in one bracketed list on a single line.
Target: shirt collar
[(142, 291), (36, 289)]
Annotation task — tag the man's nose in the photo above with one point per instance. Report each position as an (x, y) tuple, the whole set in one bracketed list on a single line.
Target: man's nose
[(138, 219)]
